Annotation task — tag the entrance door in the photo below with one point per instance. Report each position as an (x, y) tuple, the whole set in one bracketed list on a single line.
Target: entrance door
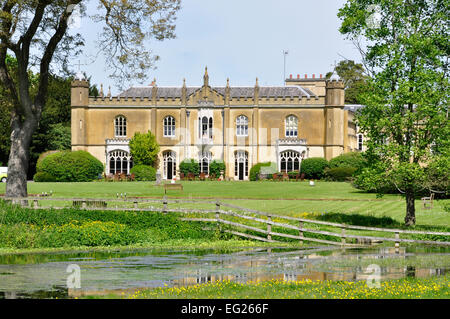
[(241, 171), (169, 169)]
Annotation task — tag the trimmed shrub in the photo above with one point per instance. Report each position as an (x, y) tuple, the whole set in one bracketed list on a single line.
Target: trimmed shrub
[(340, 174), (69, 166), (256, 170), (293, 175), (44, 177), (314, 167), (144, 148), (144, 173), (216, 167), (353, 159), (44, 155), (190, 166)]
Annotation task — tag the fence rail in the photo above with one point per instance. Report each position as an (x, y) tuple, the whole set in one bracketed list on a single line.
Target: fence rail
[(222, 217)]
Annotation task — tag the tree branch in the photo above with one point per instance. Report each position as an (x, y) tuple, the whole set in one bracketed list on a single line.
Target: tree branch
[(48, 55)]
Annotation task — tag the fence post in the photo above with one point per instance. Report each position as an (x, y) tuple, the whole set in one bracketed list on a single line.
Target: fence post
[(300, 231), (135, 205), (397, 243), (165, 204), (269, 227), (343, 239), (83, 205), (218, 216), (35, 204)]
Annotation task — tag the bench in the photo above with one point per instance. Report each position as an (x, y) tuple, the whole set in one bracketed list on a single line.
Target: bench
[(93, 203), (172, 186), (428, 201)]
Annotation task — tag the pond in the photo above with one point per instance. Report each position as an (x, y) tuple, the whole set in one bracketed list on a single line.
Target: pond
[(45, 275)]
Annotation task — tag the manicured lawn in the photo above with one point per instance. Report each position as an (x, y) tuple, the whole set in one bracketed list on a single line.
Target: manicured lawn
[(254, 190), (291, 198), (410, 288)]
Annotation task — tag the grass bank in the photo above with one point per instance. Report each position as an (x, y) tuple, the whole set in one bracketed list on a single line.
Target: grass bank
[(222, 245), (408, 288), (24, 229), (290, 198)]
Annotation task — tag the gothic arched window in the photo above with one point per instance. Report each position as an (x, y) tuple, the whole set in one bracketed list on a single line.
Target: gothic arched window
[(170, 164), (241, 165), (291, 126), (242, 126), (290, 161), (205, 125), (120, 162), (169, 126), (120, 126), (204, 159)]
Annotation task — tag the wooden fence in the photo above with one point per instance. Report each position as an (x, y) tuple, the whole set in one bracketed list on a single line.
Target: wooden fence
[(234, 217)]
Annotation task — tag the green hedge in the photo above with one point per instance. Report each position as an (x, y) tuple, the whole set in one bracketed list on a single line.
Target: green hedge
[(256, 169), (189, 166), (66, 166), (314, 167), (144, 173), (352, 159), (216, 167), (44, 177), (340, 174)]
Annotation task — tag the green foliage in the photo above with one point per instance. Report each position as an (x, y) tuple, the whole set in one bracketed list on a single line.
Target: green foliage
[(262, 168), (27, 228), (69, 166), (371, 179), (189, 166), (339, 174), (406, 99), (59, 137), (54, 127), (144, 149), (437, 175), (354, 78), (314, 167), (144, 173), (44, 177), (352, 159), (215, 167), (293, 175)]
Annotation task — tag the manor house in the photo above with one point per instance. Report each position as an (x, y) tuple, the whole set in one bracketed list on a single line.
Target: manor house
[(240, 126)]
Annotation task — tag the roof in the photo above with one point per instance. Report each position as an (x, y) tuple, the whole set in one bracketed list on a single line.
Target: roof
[(353, 107), (235, 92)]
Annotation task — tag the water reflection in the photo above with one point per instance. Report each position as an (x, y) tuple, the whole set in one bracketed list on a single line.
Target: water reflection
[(44, 276)]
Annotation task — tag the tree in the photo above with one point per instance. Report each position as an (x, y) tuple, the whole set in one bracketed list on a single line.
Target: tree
[(406, 98), (37, 33), (144, 149), (354, 78), (53, 132)]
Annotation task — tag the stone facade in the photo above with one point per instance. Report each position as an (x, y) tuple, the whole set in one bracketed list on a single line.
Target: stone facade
[(241, 126)]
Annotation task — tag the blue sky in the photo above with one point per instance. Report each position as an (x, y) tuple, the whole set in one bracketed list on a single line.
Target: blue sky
[(241, 40)]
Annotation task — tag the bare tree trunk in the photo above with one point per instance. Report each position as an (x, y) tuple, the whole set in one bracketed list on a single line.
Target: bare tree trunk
[(410, 218), (19, 156)]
